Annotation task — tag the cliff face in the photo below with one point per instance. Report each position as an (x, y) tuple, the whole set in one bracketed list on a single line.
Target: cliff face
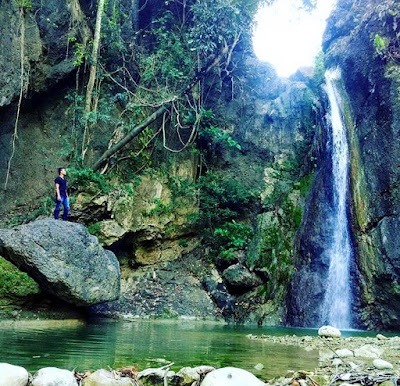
[(362, 39), (145, 213)]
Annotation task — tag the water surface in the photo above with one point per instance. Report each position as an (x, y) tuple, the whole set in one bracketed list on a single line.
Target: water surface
[(81, 345)]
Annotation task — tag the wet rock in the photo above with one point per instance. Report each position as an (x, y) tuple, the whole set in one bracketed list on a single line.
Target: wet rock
[(11, 375), (329, 332), (381, 337), (64, 259), (52, 376), (231, 376), (156, 376), (240, 278), (380, 364), (368, 351), (188, 375), (344, 353), (106, 378)]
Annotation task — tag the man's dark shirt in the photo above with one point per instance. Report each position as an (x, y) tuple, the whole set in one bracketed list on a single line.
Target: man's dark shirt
[(63, 186)]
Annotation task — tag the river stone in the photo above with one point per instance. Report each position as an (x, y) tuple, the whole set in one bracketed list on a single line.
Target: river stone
[(240, 277), (230, 376), (11, 375), (380, 364), (52, 376), (329, 332), (381, 337), (64, 259), (105, 378), (344, 353), (368, 351), (188, 375)]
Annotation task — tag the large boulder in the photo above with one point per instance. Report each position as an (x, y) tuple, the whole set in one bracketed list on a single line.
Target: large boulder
[(64, 259), (52, 376), (240, 278), (11, 375), (231, 376)]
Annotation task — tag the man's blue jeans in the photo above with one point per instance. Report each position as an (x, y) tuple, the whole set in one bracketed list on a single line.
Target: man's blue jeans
[(64, 201)]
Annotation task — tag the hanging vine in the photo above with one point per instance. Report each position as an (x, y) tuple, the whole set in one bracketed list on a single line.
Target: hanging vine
[(23, 6)]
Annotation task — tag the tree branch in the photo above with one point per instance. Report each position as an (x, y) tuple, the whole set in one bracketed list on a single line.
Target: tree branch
[(130, 136)]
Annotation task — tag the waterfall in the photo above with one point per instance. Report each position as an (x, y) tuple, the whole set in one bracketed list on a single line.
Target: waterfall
[(338, 297)]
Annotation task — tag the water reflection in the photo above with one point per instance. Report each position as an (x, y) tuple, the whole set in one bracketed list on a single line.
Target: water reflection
[(102, 344)]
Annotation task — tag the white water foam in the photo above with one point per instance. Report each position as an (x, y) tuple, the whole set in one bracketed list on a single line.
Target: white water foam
[(338, 296)]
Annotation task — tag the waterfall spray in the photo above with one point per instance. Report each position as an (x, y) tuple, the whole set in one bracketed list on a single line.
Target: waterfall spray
[(338, 296)]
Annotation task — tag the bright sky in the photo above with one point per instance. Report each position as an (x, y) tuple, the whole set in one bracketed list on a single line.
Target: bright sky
[(289, 37)]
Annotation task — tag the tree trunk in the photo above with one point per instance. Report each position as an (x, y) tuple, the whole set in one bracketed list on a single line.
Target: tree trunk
[(129, 137), (93, 69)]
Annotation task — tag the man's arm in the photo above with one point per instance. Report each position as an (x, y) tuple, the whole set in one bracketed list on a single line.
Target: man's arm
[(58, 192)]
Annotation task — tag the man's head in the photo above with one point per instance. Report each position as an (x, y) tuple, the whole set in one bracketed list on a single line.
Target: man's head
[(62, 172)]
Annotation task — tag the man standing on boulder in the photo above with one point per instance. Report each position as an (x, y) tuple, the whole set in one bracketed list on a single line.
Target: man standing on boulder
[(61, 194)]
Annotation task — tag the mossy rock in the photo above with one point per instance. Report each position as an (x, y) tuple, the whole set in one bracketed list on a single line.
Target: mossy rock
[(16, 287)]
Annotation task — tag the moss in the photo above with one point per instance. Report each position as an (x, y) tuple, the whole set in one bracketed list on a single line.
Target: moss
[(15, 286)]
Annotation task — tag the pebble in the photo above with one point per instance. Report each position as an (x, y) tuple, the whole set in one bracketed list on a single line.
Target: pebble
[(259, 366), (344, 353)]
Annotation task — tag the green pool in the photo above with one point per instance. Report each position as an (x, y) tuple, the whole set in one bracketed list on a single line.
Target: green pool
[(84, 345)]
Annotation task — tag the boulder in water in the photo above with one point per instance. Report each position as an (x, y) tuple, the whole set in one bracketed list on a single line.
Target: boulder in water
[(11, 375), (52, 376), (231, 376), (329, 332), (64, 259), (106, 378)]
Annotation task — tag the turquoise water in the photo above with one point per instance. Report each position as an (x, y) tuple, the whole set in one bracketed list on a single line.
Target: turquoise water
[(82, 345)]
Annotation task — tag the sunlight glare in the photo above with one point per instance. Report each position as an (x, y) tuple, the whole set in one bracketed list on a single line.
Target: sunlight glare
[(289, 37)]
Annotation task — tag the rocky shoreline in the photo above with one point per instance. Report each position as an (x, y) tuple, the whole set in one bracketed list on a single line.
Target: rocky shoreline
[(342, 360)]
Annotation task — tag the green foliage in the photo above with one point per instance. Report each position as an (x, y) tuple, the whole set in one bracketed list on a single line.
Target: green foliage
[(24, 4), (217, 23), (381, 44), (80, 51), (222, 199), (161, 209), (170, 61), (46, 208), (231, 237), (319, 72), (82, 179), (219, 136), (94, 229), (14, 283)]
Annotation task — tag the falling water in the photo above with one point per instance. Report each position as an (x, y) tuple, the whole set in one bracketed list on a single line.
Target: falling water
[(337, 302)]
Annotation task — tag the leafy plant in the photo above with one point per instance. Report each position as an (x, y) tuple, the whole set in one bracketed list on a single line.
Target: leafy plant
[(381, 44), (231, 237), (87, 178)]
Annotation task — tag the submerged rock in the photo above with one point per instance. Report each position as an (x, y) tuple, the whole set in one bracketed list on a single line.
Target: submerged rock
[(52, 376), (106, 378), (11, 375), (329, 332), (64, 259), (231, 376)]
